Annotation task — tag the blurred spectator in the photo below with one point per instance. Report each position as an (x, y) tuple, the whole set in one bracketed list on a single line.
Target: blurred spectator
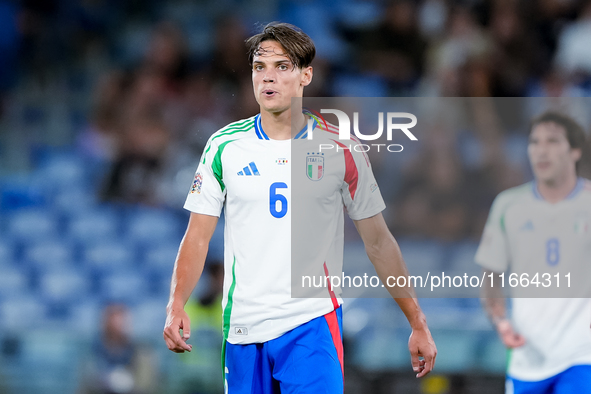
[(458, 62), (151, 121), (394, 48), (228, 64), (432, 203), (144, 117), (548, 18), (167, 57), (116, 363), (136, 170), (517, 56), (573, 52), (100, 139)]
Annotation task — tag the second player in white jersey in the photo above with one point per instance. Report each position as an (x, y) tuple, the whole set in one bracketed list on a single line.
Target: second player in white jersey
[(525, 233), (543, 229)]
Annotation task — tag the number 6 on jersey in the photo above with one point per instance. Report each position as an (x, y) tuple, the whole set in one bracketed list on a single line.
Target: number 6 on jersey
[(275, 198)]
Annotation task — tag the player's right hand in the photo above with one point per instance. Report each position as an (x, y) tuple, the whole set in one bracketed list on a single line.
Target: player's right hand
[(175, 321), (508, 335)]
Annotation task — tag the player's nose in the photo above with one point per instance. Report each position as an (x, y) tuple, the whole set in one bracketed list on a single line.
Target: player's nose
[(269, 76)]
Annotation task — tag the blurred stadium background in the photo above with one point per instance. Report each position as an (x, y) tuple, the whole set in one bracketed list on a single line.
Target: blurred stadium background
[(105, 106)]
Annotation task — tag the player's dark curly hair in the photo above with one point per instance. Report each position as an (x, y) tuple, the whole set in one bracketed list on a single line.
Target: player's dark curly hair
[(574, 132), (298, 46)]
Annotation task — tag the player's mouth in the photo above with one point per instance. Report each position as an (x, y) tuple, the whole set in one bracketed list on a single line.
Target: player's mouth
[(543, 165), (269, 93)]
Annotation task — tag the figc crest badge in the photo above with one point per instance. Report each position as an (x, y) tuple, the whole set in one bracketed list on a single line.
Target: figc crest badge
[(315, 166)]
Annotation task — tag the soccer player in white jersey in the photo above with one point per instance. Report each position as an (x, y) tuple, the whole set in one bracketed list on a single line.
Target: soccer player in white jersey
[(273, 342), (544, 225)]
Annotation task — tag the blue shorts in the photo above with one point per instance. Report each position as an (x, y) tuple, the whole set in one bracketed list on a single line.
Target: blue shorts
[(576, 379), (307, 359)]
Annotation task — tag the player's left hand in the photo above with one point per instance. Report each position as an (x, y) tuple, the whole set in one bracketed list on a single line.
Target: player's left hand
[(421, 345)]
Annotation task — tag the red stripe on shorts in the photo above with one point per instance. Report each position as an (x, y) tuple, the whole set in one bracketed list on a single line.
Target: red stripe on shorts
[(335, 332)]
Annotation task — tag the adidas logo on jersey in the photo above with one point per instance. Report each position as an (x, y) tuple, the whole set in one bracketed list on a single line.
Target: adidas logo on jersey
[(250, 169), (241, 331), (527, 226)]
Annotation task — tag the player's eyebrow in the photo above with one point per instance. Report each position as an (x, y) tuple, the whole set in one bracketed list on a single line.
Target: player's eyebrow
[(278, 62)]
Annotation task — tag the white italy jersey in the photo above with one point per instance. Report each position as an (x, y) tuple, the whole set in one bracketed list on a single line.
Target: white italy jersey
[(249, 176), (525, 234)]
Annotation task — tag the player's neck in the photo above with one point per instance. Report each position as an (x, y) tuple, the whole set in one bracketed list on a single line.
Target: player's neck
[(278, 126), (557, 190)]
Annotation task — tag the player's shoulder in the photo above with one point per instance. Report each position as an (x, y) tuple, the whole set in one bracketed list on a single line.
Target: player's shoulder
[(327, 131), (237, 129), (232, 132), (513, 196), (583, 192)]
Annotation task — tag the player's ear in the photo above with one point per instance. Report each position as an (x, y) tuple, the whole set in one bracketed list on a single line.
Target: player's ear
[(307, 75), (576, 154)]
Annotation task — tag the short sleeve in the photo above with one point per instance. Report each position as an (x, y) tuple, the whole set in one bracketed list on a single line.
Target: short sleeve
[(492, 253), (207, 193), (360, 191)]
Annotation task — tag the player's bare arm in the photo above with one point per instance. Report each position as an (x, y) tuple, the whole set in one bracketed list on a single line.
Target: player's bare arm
[(187, 271), (494, 303), (384, 253)]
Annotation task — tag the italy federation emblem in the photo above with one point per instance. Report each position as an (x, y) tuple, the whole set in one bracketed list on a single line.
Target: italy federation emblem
[(315, 166)]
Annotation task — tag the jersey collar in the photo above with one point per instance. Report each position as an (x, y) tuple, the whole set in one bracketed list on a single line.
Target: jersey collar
[(258, 129), (578, 187)]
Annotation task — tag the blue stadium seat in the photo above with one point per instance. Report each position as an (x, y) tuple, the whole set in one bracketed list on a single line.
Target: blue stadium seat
[(64, 285), (62, 169), (22, 310), (160, 258), (93, 225), (109, 256), (28, 224), (359, 14), (20, 192), (48, 254), (462, 258), (128, 286), (349, 85), (7, 252), (161, 285), (85, 317), (13, 281), (147, 226), (315, 19), (74, 200), (149, 317)]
